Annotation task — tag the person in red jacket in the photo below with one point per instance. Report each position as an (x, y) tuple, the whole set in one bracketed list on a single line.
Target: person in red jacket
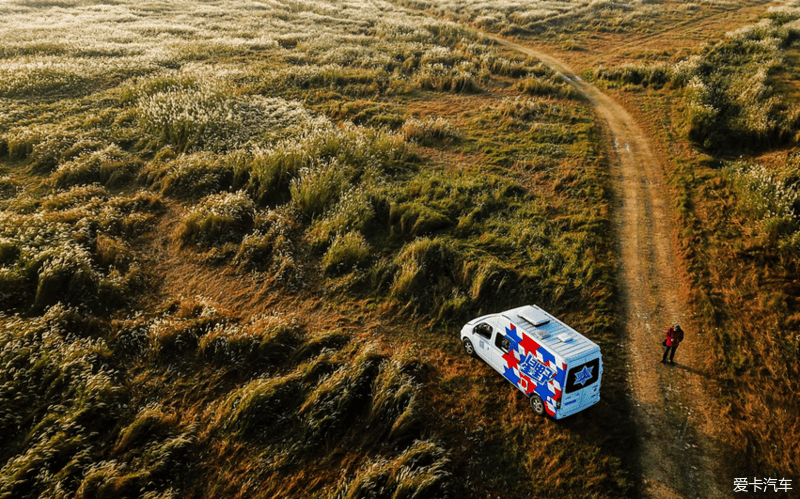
[(673, 339)]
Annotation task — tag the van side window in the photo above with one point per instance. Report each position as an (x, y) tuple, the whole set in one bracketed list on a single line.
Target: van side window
[(484, 330), (502, 343)]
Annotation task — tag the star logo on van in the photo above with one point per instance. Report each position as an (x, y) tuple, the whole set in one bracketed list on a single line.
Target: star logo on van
[(584, 376)]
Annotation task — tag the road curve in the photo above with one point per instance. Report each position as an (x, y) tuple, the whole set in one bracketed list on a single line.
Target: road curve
[(678, 451)]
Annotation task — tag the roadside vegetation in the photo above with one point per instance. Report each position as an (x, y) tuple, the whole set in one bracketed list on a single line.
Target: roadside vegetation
[(377, 177), (738, 201)]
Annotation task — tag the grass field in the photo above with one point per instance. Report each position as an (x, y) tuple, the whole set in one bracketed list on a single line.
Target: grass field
[(238, 240)]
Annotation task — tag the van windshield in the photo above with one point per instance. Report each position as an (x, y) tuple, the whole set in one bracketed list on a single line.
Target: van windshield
[(583, 375)]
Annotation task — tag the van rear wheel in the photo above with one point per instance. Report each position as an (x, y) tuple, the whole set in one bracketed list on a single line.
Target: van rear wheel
[(468, 348), (536, 404)]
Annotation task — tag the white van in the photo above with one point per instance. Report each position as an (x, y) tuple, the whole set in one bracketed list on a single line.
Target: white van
[(556, 367)]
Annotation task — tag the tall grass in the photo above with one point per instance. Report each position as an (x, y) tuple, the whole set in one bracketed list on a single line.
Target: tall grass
[(219, 218), (238, 113), (46, 260)]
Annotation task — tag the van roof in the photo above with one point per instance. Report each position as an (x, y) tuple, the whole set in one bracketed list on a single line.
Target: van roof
[(549, 331)]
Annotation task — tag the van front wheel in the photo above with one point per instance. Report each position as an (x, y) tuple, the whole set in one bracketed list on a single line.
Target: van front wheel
[(536, 404), (468, 348)]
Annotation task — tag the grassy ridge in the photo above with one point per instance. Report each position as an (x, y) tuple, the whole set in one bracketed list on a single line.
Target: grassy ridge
[(294, 144)]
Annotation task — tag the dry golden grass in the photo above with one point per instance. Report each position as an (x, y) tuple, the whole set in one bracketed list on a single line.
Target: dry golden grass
[(276, 314)]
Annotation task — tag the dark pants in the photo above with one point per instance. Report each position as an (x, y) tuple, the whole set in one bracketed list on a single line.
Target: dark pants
[(671, 351)]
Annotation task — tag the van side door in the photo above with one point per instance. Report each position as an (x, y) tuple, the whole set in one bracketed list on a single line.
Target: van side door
[(482, 335), (495, 348)]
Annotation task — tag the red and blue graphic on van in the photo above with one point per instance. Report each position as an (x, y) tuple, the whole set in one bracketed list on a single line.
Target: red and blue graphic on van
[(533, 369)]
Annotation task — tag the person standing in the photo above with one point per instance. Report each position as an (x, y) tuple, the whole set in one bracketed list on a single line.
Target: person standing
[(671, 342)]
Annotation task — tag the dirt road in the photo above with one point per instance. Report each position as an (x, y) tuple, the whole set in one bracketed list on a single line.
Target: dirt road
[(678, 453)]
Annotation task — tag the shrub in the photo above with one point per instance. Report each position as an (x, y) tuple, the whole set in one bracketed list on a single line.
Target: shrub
[(656, 75), (355, 211), (51, 150), (272, 170), (491, 280), (527, 109), (219, 218), (336, 400), (503, 67), (770, 197), (264, 342), (67, 278), (38, 77), (20, 142), (149, 424), (276, 234), (394, 412), (8, 187), (730, 102), (322, 342)]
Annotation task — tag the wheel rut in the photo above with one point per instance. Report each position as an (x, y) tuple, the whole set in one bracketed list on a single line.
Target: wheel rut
[(678, 452)]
